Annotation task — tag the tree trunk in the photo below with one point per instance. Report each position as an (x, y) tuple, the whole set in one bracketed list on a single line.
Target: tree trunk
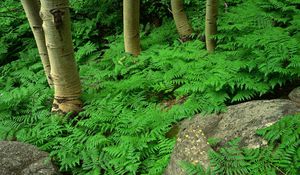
[(131, 17), (57, 27), (32, 8), (183, 27), (211, 24)]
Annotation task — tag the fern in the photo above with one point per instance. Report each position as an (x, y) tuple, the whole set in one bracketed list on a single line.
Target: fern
[(132, 102), (279, 157)]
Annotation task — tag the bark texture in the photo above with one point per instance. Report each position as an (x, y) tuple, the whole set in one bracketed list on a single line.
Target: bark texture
[(181, 21), (32, 8), (57, 27), (131, 21), (211, 24)]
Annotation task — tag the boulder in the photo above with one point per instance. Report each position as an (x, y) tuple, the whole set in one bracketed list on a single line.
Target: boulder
[(241, 120), (294, 95), (18, 158)]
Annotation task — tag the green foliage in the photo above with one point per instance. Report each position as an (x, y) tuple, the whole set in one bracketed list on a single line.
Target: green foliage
[(191, 169), (132, 102), (280, 156), (14, 31)]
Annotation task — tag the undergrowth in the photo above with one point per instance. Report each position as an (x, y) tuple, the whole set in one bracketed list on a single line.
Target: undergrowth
[(280, 156), (132, 102)]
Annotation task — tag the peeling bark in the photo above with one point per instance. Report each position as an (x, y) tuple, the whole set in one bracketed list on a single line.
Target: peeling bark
[(57, 27)]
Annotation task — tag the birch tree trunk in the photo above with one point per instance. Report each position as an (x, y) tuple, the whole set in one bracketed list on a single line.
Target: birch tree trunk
[(181, 21), (131, 18), (57, 28), (32, 8), (211, 24)]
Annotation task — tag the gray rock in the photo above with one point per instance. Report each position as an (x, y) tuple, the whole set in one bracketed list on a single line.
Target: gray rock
[(240, 120), (294, 95), (18, 158)]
